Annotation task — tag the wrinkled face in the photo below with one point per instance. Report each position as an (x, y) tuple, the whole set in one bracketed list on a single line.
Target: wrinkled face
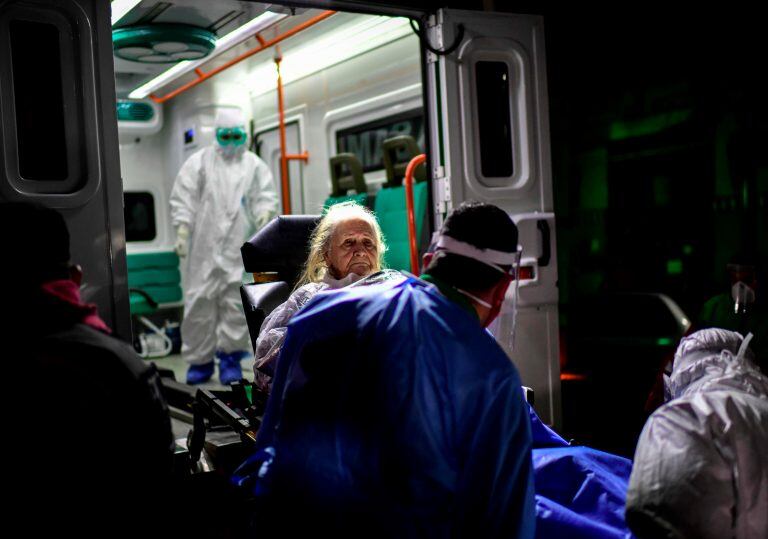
[(353, 249)]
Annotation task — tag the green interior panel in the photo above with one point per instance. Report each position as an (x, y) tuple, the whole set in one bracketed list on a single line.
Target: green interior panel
[(393, 218), (157, 274)]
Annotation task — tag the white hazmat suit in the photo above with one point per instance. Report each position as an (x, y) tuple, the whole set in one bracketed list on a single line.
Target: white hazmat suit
[(220, 199), (701, 465)]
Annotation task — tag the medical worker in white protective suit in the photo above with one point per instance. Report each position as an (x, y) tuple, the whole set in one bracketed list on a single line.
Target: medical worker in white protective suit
[(222, 195), (701, 465)]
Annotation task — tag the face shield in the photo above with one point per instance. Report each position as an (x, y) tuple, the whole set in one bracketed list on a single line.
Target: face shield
[(742, 287)]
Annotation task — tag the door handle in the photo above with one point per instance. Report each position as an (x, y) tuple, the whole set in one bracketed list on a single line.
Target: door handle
[(546, 249)]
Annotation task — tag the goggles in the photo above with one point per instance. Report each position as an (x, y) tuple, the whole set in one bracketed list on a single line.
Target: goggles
[(230, 136)]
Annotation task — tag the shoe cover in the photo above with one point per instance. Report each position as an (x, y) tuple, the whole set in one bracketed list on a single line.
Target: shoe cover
[(229, 367), (197, 374)]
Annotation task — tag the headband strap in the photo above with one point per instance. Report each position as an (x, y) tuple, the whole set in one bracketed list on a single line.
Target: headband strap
[(489, 257)]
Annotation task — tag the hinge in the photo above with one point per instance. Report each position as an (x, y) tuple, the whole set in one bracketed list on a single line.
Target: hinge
[(435, 36), (443, 191)]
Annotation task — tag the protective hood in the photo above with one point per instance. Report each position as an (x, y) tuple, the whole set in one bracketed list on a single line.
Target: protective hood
[(714, 356), (706, 445), (229, 117)]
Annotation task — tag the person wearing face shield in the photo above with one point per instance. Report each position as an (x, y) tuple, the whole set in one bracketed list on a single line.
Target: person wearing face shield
[(393, 412), (743, 308), (346, 246), (701, 464), (222, 195)]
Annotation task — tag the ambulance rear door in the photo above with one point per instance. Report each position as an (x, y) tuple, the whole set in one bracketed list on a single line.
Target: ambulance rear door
[(489, 141), (58, 135)]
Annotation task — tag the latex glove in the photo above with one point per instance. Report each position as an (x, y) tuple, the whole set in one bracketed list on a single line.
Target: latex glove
[(182, 241)]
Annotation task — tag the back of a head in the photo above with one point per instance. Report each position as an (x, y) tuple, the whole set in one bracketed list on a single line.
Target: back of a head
[(481, 225), (36, 240)]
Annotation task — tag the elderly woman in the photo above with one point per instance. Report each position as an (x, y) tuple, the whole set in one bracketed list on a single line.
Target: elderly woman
[(346, 246)]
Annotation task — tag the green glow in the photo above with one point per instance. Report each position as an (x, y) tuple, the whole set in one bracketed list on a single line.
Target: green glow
[(687, 249), (593, 188), (674, 266), (595, 245), (649, 125), (664, 341)]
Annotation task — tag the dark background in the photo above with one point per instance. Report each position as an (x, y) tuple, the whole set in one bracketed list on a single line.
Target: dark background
[(659, 130), (659, 134)]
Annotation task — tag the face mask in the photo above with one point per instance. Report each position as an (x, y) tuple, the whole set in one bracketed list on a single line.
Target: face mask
[(743, 296), (506, 305), (495, 259)]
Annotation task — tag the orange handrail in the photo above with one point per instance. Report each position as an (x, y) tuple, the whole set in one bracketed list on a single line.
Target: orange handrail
[(285, 177), (410, 169), (202, 76)]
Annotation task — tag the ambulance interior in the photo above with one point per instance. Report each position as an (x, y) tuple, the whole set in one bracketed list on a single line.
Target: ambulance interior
[(352, 119), (337, 100)]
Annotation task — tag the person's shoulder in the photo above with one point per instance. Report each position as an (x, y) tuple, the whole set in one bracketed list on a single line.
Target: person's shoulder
[(197, 155), (707, 415), (86, 345), (309, 288), (257, 161)]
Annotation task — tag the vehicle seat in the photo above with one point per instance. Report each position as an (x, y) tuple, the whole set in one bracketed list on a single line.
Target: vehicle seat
[(154, 283), (155, 275), (397, 153), (347, 175), (275, 256), (390, 207)]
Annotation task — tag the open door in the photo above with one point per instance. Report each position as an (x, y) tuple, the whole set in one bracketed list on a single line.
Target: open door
[(268, 148), (58, 135), (489, 139)]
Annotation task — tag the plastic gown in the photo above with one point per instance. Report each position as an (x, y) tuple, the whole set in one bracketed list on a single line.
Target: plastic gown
[(275, 326), (222, 201), (393, 414), (701, 465)]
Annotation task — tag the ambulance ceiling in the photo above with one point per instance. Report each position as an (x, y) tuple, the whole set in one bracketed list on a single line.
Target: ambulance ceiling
[(214, 19), (218, 31)]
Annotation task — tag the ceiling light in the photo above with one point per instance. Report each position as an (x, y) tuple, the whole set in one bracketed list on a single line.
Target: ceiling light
[(162, 43)]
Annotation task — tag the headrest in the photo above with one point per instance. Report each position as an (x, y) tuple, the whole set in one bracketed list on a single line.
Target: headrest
[(281, 246)]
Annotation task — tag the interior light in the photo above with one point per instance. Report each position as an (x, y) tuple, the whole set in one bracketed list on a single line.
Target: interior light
[(223, 44), (333, 48), (120, 9)]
